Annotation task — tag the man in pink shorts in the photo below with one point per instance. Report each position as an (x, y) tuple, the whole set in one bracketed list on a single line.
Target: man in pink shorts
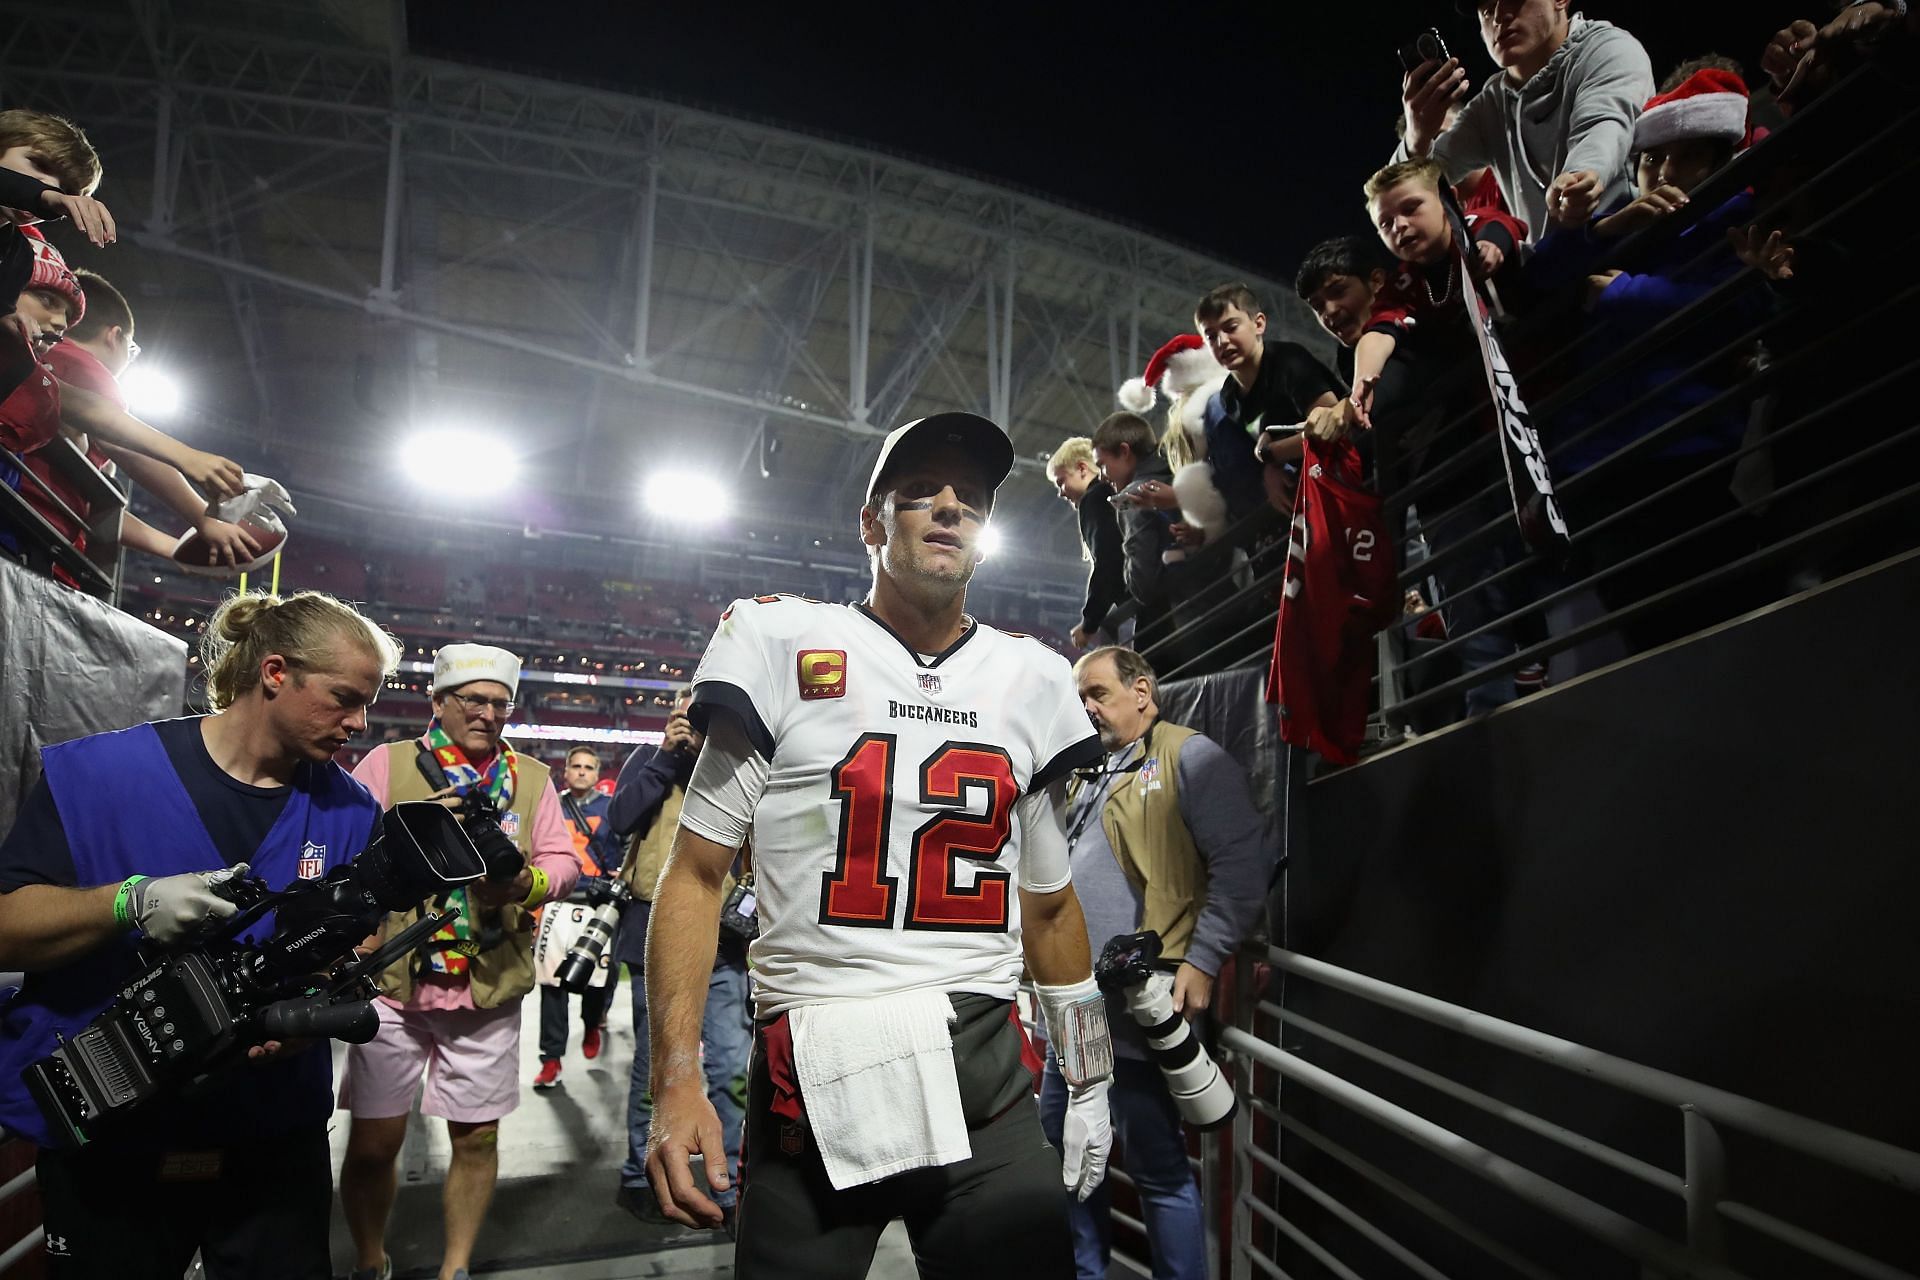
[(453, 1007)]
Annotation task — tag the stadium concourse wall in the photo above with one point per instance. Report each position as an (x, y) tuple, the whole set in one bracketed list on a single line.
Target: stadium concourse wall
[(1702, 861)]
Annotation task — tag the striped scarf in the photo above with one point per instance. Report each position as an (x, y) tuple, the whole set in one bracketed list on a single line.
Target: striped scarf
[(453, 944)]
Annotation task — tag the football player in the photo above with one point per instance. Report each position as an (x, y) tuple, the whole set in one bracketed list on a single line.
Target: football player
[(901, 769)]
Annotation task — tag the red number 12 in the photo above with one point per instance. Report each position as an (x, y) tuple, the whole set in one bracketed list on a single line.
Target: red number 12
[(857, 893)]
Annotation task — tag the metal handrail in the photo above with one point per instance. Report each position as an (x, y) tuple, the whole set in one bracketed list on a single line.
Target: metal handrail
[(1869, 1157), (1609, 1226), (1629, 1165), (1701, 1107), (49, 540), (1400, 1191)]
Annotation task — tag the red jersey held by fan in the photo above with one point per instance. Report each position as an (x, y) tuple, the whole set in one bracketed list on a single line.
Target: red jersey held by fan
[(1340, 588)]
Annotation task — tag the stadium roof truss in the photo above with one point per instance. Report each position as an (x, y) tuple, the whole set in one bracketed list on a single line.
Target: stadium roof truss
[(629, 279)]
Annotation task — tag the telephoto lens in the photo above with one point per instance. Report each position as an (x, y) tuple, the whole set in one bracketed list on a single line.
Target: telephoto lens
[(584, 956), (1202, 1094), (1130, 967)]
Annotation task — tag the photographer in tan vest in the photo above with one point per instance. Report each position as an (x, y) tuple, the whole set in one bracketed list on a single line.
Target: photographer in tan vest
[(1164, 837), (452, 1009)]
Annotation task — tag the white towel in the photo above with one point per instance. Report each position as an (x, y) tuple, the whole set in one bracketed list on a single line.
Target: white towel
[(877, 1079)]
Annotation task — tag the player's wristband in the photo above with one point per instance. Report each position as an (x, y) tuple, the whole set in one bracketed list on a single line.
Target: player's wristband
[(123, 902), (537, 894)]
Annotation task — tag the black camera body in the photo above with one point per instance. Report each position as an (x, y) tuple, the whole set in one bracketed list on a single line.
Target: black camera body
[(480, 819), (193, 1009)]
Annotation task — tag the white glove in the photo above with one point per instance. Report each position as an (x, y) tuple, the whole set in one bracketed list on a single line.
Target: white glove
[(172, 907), (1086, 1139)]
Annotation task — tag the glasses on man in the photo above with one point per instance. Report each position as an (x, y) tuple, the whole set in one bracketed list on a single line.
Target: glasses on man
[(475, 705)]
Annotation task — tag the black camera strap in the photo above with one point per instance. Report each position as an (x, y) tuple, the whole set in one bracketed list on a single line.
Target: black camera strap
[(579, 818)]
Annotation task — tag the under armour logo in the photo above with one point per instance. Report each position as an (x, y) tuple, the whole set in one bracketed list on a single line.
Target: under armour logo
[(57, 1246)]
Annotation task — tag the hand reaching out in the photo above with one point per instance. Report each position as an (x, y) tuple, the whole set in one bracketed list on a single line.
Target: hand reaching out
[(1767, 253), (1362, 400), (91, 218), (1656, 204), (221, 477), (1781, 58), (1331, 422), (1572, 197), (227, 543), (1487, 259)]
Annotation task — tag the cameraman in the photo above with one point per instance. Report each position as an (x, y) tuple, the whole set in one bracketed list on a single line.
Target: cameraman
[(453, 1007), (239, 1171), (646, 811), (1164, 837)]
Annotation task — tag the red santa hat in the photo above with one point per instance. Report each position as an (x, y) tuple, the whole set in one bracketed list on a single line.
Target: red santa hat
[(1709, 105), (1136, 394), (51, 272)]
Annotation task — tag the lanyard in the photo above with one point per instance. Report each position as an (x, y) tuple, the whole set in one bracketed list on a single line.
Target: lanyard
[(1097, 790)]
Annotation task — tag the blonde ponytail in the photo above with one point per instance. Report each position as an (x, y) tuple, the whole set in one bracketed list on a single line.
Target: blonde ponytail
[(303, 628)]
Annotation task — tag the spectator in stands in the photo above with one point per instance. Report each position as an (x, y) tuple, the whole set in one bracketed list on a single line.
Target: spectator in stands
[(250, 787), (646, 812), (53, 153), (1076, 478), (1268, 385), (48, 170), (598, 854), (1554, 123), (1681, 139), (1125, 450), (97, 349), (452, 1008), (1164, 838), (1419, 322)]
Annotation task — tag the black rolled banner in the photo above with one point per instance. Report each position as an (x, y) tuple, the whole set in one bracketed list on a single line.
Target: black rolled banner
[(1529, 482)]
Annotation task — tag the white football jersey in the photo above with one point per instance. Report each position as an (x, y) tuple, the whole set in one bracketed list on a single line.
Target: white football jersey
[(885, 851)]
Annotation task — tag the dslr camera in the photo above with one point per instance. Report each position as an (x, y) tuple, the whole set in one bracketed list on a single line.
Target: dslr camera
[(1130, 967), (195, 1009)]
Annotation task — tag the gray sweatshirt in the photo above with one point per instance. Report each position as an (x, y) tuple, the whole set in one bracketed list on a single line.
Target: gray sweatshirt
[(1577, 112)]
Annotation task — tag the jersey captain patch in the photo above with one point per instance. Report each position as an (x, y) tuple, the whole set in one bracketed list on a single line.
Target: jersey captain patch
[(823, 673)]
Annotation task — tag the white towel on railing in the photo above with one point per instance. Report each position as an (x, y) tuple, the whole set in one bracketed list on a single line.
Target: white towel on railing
[(877, 1080)]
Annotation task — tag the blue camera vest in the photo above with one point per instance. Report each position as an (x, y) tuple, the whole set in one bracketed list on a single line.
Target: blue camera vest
[(126, 812)]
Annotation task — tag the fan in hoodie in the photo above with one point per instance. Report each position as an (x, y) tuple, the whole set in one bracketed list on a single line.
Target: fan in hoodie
[(1555, 124)]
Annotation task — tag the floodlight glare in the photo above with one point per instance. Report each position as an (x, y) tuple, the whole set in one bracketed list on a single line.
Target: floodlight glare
[(990, 542), (473, 462), (688, 496), (151, 392)]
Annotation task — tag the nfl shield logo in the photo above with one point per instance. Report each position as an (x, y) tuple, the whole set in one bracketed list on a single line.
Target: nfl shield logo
[(930, 683), (1150, 773), (313, 861), (510, 823)]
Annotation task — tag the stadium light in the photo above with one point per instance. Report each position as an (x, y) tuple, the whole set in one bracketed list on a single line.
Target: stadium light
[(479, 464), (151, 392), (688, 496), (990, 542)]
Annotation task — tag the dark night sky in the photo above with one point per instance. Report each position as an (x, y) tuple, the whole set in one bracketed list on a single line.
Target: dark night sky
[(1241, 129)]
